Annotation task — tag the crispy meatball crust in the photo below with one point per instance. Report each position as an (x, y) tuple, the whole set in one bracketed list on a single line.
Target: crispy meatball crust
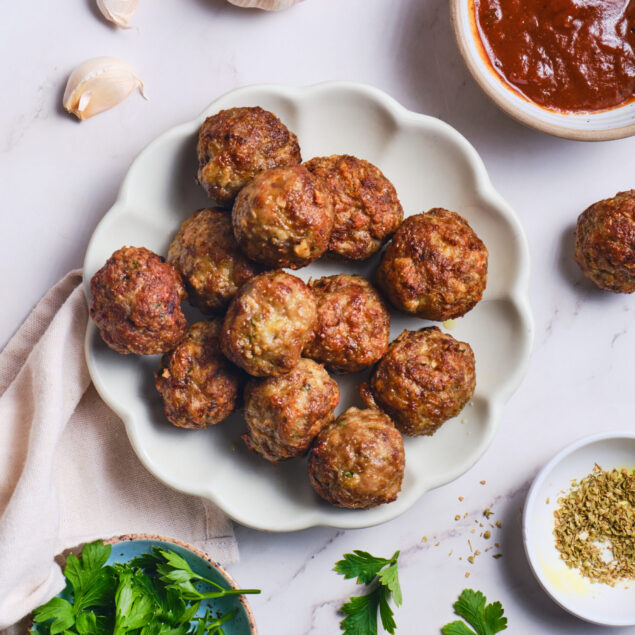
[(358, 460), (284, 414), (234, 145), (426, 378), (268, 323), (367, 209), (435, 267), (283, 218), (353, 324), (605, 243), (136, 302), (207, 255), (198, 385)]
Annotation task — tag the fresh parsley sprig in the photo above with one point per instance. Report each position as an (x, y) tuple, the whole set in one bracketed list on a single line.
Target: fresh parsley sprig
[(157, 593), (484, 619), (382, 578)]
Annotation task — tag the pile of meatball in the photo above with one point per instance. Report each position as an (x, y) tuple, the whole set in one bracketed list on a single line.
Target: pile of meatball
[(273, 344)]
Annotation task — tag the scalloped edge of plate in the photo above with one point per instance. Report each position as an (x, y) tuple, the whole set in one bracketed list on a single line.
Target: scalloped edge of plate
[(517, 293)]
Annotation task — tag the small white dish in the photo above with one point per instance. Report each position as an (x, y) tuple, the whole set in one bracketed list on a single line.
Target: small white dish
[(596, 603), (431, 165), (614, 123)]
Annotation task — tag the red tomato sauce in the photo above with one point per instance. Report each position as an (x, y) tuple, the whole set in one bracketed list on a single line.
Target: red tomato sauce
[(567, 55)]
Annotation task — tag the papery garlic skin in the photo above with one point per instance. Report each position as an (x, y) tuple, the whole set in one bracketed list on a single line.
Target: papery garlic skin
[(118, 11), (266, 5), (99, 84)]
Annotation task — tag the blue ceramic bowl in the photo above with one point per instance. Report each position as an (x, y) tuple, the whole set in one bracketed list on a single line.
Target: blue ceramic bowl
[(125, 548)]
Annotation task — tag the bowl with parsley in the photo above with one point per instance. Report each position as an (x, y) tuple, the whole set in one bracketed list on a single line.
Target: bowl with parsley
[(145, 585)]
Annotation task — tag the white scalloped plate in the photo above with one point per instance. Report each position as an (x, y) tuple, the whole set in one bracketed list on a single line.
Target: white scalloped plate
[(431, 165)]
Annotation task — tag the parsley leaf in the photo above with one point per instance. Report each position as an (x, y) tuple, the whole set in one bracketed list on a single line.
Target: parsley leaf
[(484, 619), (361, 564), (60, 611), (362, 614), (381, 575)]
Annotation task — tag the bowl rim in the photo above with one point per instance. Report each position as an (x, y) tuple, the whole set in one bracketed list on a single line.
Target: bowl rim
[(514, 111), (530, 503)]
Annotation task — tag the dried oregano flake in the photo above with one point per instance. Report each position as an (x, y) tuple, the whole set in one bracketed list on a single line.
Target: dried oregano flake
[(595, 526)]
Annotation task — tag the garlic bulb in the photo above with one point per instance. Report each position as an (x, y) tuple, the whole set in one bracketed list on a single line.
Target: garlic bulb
[(118, 11), (99, 84), (266, 5)]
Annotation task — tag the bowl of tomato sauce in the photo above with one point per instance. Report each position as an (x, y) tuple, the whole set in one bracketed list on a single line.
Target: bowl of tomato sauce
[(565, 67)]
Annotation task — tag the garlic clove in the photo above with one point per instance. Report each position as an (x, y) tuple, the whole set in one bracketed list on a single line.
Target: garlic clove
[(99, 84), (118, 11), (266, 5)]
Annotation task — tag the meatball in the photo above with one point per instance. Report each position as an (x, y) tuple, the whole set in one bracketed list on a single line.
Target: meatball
[(358, 460), (283, 218), (207, 255), (234, 145), (426, 378), (268, 323), (605, 243), (284, 414), (435, 267), (198, 385), (136, 302), (353, 325), (367, 210)]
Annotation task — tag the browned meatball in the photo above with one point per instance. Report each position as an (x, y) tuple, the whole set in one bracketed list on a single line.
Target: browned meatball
[(268, 324), (605, 243), (136, 302), (284, 414), (358, 460), (207, 255), (367, 210), (353, 324), (198, 385), (426, 378), (435, 267), (236, 144), (283, 218)]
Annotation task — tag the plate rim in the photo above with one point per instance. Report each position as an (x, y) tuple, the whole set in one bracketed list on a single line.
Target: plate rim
[(517, 292), (530, 503)]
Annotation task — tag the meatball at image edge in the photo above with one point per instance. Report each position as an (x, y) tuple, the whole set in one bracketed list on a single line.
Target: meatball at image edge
[(426, 378), (358, 461), (283, 218), (605, 243), (136, 302), (269, 323), (236, 144), (206, 253), (366, 206), (198, 385), (353, 326), (435, 267), (284, 414)]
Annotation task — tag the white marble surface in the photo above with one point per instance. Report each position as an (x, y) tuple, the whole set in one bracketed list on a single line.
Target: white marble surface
[(59, 177)]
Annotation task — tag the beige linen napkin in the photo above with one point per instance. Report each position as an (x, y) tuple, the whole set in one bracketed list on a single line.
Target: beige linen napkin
[(67, 472)]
